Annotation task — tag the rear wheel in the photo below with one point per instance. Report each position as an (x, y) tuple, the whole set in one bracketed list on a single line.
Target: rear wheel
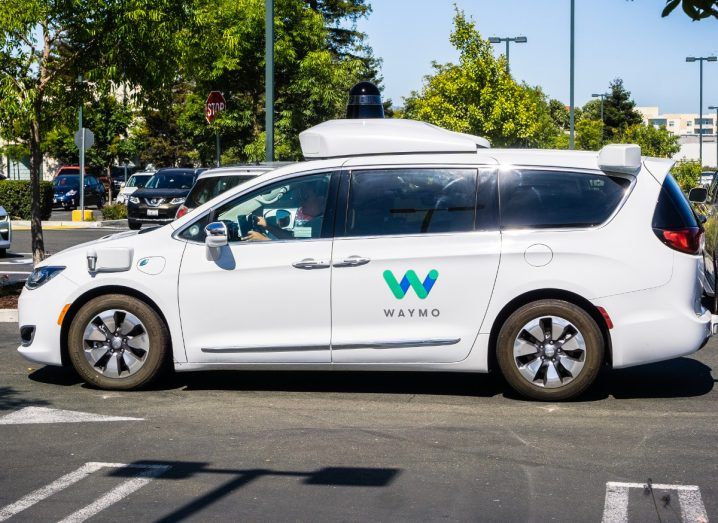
[(550, 350), (3, 253), (118, 342), (134, 225)]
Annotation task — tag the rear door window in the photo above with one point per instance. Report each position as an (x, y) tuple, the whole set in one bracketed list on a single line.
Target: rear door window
[(532, 198), (386, 202)]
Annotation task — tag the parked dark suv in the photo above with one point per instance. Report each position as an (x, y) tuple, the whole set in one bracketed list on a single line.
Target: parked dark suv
[(157, 202)]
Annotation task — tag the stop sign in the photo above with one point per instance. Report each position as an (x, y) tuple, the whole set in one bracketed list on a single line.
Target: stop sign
[(215, 103)]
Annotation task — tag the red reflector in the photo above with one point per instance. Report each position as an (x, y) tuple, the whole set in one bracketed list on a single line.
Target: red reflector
[(606, 317), (686, 240), (181, 211)]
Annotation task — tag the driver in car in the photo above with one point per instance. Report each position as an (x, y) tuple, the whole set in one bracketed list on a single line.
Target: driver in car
[(309, 215)]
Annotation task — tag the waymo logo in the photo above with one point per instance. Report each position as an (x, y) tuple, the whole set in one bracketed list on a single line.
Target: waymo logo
[(410, 279)]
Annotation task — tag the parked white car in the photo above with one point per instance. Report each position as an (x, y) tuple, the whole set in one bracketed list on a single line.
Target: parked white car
[(213, 182), (136, 181), (400, 246), (5, 231)]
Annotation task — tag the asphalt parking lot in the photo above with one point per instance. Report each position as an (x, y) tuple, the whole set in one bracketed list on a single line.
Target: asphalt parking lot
[(352, 446), (357, 446)]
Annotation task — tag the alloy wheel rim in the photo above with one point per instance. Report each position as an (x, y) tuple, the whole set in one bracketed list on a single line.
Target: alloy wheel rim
[(116, 343), (549, 352)]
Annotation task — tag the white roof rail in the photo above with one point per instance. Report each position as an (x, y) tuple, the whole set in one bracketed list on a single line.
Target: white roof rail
[(337, 138), (620, 158)]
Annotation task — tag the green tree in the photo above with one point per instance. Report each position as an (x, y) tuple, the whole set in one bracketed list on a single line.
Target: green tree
[(653, 141), (589, 134), (687, 174), (619, 110), (478, 96), (695, 9), (559, 114), (109, 119), (44, 44), (318, 56)]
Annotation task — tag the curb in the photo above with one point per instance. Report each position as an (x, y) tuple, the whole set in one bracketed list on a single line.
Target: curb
[(24, 225), (8, 316)]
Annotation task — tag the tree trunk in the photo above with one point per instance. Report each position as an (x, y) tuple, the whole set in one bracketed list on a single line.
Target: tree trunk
[(38, 243)]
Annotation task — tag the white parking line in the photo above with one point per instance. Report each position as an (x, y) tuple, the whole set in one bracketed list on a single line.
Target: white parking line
[(145, 474), (615, 508), (53, 488)]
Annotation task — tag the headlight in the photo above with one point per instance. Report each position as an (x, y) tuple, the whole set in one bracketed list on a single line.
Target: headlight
[(134, 199), (71, 192), (41, 276), (177, 201)]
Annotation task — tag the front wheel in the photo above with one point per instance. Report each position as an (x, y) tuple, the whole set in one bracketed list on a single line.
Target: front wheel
[(135, 226), (550, 350), (118, 342)]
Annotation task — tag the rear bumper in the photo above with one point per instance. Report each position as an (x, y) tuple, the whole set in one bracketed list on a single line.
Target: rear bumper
[(661, 323)]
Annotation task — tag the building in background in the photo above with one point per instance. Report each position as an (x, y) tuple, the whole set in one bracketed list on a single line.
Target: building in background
[(687, 127)]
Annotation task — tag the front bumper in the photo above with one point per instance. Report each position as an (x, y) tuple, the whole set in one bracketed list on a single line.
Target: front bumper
[(65, 201), (38, 313), (146, 214)]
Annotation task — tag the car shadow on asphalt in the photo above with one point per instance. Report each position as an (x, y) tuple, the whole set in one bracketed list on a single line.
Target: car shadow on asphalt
[(682, 377)]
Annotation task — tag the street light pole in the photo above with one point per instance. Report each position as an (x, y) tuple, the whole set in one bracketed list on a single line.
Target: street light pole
[(700, 60), (508, 40), (715, 127), (602, 97), (572, 120), (269, 79)]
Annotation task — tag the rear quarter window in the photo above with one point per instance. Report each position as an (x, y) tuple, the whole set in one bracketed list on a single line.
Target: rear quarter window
[(672, 208), (558, 199)]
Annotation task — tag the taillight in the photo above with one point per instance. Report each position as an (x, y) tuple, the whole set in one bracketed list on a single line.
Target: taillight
[(181, 211), (686, 240)]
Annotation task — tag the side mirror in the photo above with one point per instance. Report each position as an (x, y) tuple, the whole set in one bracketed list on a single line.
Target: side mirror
[(698, 195), (284, 218), (217, 235)]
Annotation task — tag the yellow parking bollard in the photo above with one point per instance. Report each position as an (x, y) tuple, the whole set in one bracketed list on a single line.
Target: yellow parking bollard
[(77, 216)]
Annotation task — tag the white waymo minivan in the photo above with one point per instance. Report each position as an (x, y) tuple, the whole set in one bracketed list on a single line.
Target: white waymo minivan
[(402, 246)]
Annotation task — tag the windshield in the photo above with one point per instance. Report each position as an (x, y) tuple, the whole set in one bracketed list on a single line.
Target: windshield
[(138, 180), (207, 188), (170, 180), (66, 182)]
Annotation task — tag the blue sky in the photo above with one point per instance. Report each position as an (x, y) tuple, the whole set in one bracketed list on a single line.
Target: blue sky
[(614, 38)]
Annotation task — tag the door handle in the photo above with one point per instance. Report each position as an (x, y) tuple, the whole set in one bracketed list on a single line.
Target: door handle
[(309, 264), (352, 261)]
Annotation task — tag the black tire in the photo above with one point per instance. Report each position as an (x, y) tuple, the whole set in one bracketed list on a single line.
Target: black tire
[(135, 226), (101, 202), (550, 354), (157, 337), (3, 253)]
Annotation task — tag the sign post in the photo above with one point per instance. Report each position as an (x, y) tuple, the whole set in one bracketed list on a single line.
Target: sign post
[(214, 105), (84, 139)]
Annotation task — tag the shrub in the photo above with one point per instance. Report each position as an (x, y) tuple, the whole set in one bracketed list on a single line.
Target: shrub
[(687, 174), (114, 212), (16, 197)]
